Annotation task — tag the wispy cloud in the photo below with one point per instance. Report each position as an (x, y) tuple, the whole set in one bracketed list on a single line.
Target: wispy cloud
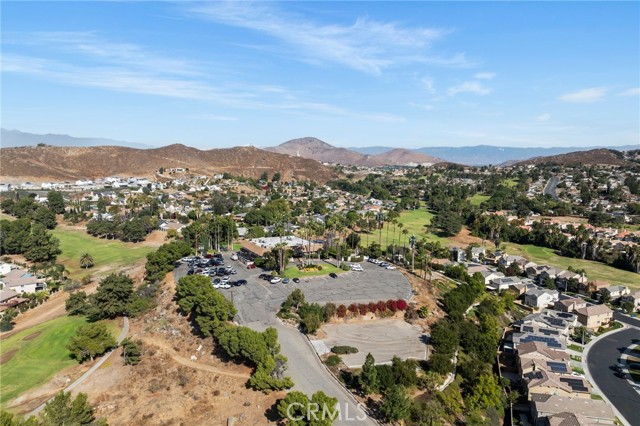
[(129, 68), (474, 87), (365, 45), (585, 96), (425, 107), (544, 117), (485, 75), (635, 91), (428, 84)]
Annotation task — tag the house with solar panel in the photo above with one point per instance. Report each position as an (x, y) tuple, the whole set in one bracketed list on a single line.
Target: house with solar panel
[(548, 383), (533, 356), (589, 411)]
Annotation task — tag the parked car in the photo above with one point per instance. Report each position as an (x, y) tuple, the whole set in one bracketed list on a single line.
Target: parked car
[(285, 281), (241, 282), (296, 280), (356, 267), (391, 267), (275, 280), (225, 279), (251, 266), (234, 256), (226, 286), (217, 281), (333, 275)]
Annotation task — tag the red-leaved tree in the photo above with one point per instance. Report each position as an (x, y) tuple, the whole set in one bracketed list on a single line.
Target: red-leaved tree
[(363, 309), (353, 308), (401, 304), (392, 305), (342, 311)]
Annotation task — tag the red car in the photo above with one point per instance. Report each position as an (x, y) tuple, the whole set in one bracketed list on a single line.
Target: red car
[(251, 266)]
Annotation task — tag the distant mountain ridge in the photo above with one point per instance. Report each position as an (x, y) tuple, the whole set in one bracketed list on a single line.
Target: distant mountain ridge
[(319, 150), (601, 156), (70, 163), (16, 138), (488, 154)]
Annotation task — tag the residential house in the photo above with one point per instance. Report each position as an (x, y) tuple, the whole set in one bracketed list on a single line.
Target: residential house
[(5, 268), (553, 342), (551, 273), (10, 299), (533, 272), (165, 226), (22, 281), (569, 304), (458, 254), (633, 298), (549, 383), (477, 253), (503, 283), (561, 321), (594, 286), (613, 293), (534, 355), (563, 279), (538, 298), (594, 316), (595, 411)]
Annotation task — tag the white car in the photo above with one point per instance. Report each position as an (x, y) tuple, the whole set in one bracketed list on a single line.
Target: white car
[(234, 256), (356, 267), (275, 280), (226, 286), (391, 267)]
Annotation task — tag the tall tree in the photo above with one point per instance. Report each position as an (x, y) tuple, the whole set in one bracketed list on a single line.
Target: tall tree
[(63, 409), (369, 377), (86, 261), (55, 201), (396, 405), (90, 341), (113, 296)]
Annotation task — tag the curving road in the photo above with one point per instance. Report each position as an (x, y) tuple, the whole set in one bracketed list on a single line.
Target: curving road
[(89, 372), (550, 187), (602, 355)]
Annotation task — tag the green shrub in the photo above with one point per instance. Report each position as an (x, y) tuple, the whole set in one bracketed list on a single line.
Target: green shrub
[(344, 350), (333, 360)]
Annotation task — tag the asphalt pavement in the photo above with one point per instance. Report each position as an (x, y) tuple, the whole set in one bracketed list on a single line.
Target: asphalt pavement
[(601, 358)]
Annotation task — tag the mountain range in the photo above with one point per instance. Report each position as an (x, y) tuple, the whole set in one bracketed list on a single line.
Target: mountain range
[(42, 163), (16, 138), (325, 153)]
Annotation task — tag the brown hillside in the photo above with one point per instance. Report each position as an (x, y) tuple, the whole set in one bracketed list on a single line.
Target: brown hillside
[(70, 163), (404, 157), (321, 151), (595, 156)]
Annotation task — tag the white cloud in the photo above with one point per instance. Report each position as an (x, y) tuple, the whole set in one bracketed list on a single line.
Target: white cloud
[(485, 75), (544, 117), (469, 87), (635, 91), (425, 107), (427, 83), (585, 96), (365, 45)]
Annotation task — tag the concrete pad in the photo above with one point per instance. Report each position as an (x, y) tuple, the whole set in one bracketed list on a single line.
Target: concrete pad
[(383, 338)]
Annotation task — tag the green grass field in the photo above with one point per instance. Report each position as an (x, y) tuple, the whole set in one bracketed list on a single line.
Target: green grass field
[(478, 199), (113, 253), (415, 221), (4, 216), (39, 358), (511, 183), (594, 270), (294, 272)]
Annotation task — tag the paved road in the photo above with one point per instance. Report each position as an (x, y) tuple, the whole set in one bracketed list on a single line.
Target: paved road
[(550, 187), (602, 355), (85, 376)]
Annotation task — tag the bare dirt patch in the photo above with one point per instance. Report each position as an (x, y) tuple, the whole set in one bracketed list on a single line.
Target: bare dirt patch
[(32, 336), (6, 357), (464, 238)]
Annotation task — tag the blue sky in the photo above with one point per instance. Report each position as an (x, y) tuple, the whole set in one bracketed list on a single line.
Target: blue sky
[(412, 74)]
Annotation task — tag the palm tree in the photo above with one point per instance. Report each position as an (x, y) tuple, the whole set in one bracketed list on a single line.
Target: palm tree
[(86, 261)]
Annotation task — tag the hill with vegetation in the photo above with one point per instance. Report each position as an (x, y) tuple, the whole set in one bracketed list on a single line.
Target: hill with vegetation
[(71, 163)]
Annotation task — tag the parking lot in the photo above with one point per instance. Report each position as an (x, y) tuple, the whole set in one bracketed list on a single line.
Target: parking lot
[(384, 339), (259, 300)]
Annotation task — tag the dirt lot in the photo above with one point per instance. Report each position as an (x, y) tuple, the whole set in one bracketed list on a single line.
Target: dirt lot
[(169, 386)]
